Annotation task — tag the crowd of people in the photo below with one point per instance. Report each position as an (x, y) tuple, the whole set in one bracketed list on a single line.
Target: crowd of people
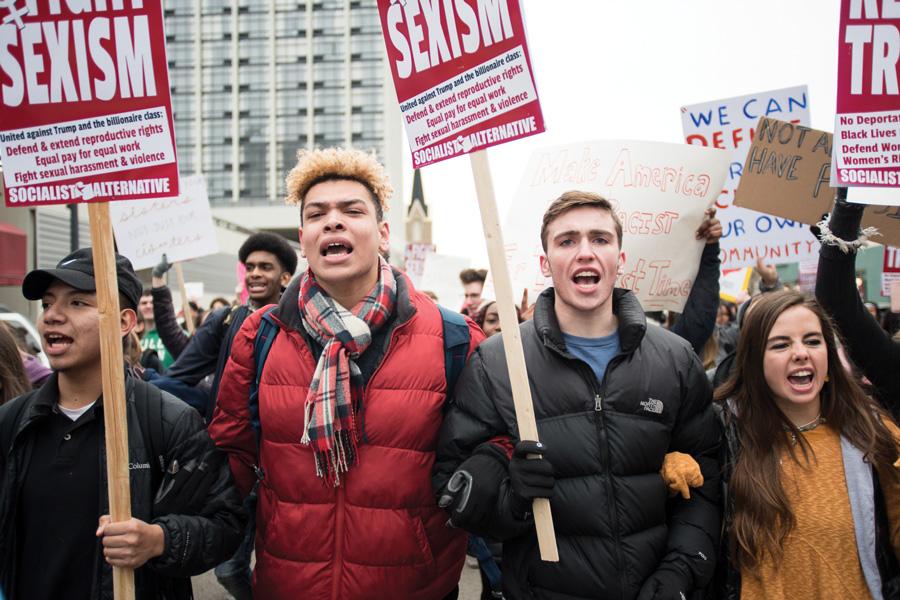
[(360, 438)]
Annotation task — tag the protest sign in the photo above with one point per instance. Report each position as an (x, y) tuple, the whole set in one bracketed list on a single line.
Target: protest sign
[(90, 95), (659, 191), (890, 269), (462, 75), (471, 89), (730, 124), (787, 177), (733, 284), (181, 228), (895, 297), (807, 271), (414, 261), (87, 90), (867, 122)]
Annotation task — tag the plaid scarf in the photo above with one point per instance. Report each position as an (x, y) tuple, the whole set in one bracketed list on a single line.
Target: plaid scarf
[(336, 392)]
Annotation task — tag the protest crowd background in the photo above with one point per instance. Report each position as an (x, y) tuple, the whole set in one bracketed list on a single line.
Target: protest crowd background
[(387, 331)]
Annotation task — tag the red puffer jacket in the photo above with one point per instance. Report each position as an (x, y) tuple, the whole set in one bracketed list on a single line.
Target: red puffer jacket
[(380, 535)]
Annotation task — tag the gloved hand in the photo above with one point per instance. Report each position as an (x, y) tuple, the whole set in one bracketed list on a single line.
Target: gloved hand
[(529, 478), (666, 583), (681, 472), (162, 267), (472, 492)]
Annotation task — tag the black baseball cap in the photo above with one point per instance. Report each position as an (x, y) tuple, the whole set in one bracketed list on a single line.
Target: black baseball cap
[(77, 270)]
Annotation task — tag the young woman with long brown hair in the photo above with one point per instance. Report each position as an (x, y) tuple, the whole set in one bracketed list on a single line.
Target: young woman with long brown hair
[(813, 503)]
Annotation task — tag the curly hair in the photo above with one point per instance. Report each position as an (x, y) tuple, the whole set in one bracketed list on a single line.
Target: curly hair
[(273, 243), (314, 167)]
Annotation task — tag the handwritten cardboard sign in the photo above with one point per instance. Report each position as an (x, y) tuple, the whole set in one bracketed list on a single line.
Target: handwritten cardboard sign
[(462, 75), (787, 175), (660, 192), (86, 112), (182, 227), (867, 121), (731, 124)]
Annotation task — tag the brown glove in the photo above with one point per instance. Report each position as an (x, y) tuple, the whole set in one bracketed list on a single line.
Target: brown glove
[(681, 472)]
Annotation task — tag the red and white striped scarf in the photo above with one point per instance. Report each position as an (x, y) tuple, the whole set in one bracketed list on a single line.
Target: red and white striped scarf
[(336, 392)]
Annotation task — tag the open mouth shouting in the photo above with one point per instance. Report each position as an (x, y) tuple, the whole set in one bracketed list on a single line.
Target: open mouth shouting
[(801, 380), (586, 279), (56, 343), (336, 250)]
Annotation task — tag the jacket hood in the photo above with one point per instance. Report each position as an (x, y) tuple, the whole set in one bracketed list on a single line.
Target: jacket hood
[(632, 322)]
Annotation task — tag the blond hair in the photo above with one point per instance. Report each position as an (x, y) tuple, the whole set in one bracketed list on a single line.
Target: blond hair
[(315, 166)]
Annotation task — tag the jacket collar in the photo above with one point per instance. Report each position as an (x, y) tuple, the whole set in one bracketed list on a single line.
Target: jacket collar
[(288, 310), (632, 322)]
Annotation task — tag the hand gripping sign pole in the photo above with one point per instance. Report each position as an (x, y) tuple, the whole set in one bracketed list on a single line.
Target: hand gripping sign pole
[(114, 417), (512, 340)]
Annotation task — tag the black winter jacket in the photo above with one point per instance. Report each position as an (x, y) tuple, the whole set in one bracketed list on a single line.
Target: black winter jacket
[(208, 351), (170, 332), (197, 537), (869, 346), (615, 523)]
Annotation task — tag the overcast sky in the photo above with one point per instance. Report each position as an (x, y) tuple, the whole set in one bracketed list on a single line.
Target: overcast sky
[(623, 69)]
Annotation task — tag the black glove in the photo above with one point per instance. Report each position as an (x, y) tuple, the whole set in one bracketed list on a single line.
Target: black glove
[(472, 492), (667, 583), (162, 267), (529, 478), (845, 217), (184, 487)]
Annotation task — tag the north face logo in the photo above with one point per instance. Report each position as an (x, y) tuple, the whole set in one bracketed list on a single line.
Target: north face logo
[(653, 405)]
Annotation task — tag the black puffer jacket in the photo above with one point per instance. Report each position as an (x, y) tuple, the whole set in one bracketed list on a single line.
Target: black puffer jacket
[(197, 537), (614, 520)]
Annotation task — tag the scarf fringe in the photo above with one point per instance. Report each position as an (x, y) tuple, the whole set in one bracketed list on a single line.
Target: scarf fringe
[(846, 246), (338, 459)]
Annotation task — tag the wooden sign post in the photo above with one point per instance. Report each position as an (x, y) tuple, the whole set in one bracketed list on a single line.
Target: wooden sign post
[(114, 417), (512, 340), (49, 150), (463, 104), (185, 303)]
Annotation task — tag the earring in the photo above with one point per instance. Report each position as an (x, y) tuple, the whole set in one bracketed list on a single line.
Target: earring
[(827, 378)]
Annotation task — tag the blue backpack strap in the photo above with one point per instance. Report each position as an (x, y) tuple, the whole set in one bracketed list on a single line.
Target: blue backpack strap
[(456, 345), (265, 335)]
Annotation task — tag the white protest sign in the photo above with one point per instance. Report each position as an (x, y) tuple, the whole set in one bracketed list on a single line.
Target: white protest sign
[(441, 276), (730, 124), (414, 261), (659, 191), (181, 227)]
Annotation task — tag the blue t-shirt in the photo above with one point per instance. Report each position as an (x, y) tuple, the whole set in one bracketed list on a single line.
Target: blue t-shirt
[(597, 352)]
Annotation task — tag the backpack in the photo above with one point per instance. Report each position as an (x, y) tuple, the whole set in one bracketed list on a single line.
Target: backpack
[(456, 349)]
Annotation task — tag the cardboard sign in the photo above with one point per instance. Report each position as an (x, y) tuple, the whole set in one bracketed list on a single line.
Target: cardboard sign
[(731, 124), (867, 122), (181, 228), (462, 75), (787, 176), (659, 191), (85, 103)]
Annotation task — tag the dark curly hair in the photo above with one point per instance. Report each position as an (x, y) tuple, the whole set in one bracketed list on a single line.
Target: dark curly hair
[(270, 242)]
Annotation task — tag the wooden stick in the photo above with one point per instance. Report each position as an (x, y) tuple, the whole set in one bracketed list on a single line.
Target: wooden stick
[(112, 363), (512, 341), (185, 303)]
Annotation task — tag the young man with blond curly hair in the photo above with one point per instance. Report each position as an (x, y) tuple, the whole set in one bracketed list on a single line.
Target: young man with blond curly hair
[(351, 398)]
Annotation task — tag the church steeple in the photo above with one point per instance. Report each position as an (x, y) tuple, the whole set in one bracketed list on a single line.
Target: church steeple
[(418, 223)]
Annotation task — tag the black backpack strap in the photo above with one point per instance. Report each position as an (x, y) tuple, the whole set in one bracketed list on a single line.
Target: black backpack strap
[(8, 426), (262, 343)]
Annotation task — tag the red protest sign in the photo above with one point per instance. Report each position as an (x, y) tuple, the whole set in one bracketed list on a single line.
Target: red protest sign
[(867, 125), (84, 99), (462, 74)]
